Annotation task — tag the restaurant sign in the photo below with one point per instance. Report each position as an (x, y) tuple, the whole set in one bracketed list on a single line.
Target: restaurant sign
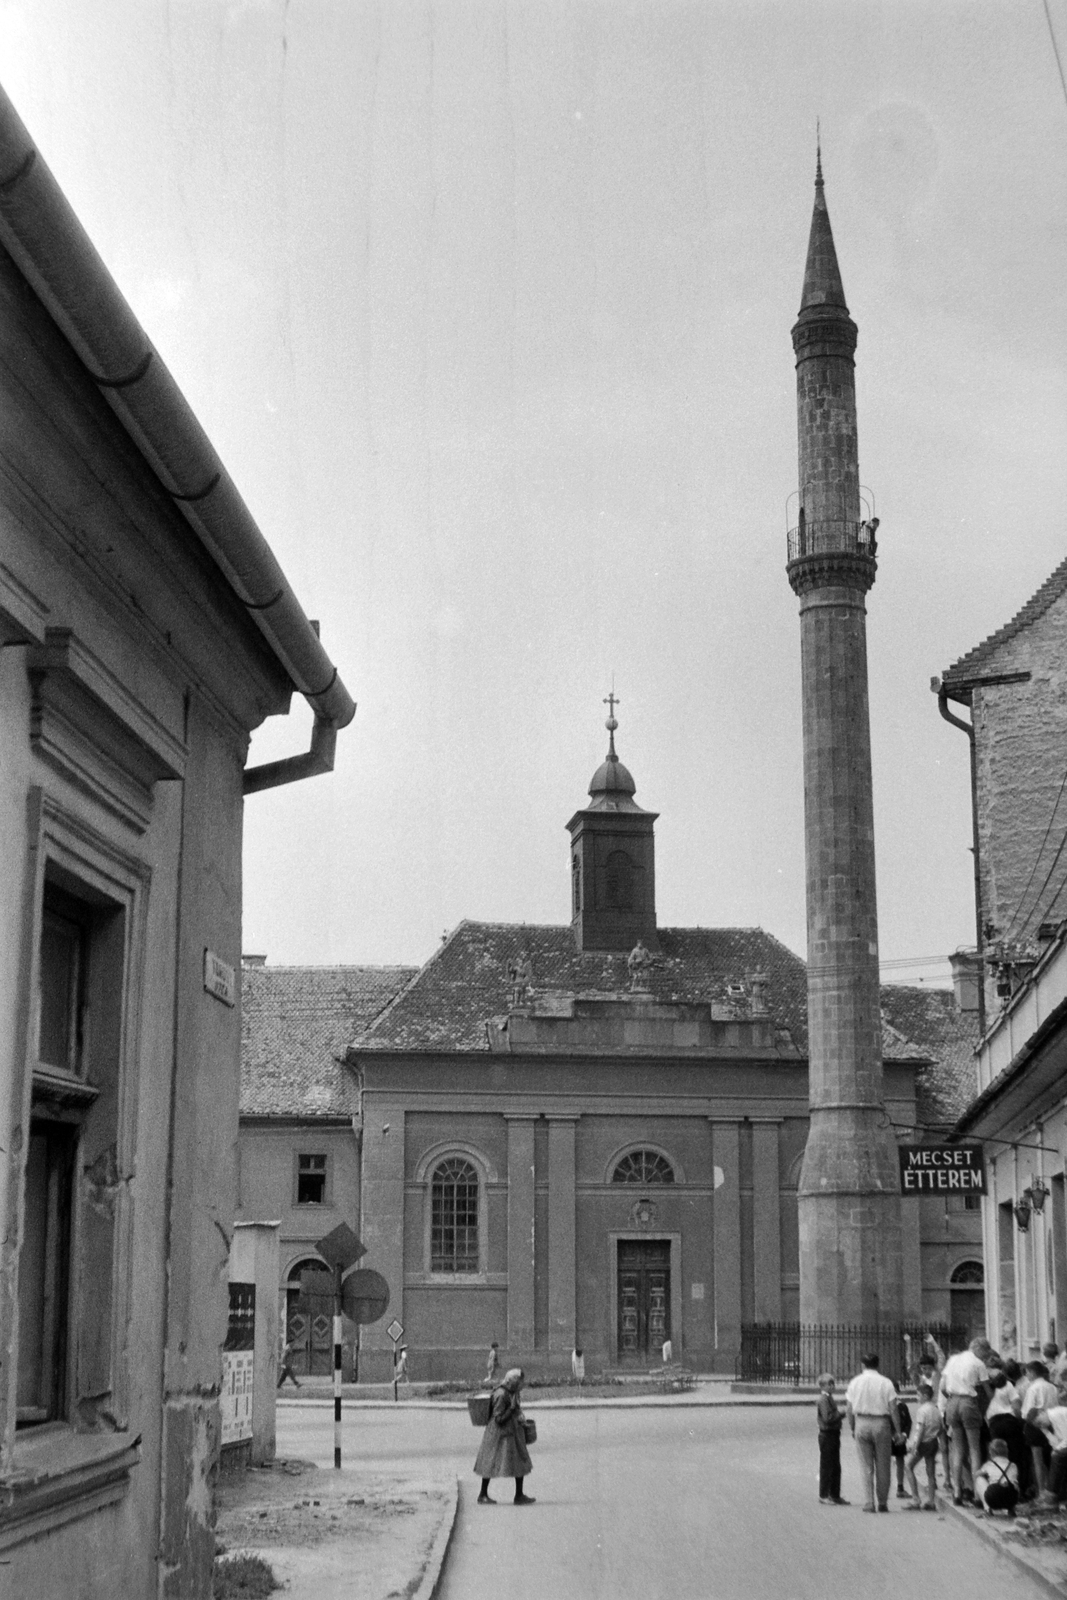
[(941, 1169)]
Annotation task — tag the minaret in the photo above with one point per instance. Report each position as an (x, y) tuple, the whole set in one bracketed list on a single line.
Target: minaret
[(848, 1196)]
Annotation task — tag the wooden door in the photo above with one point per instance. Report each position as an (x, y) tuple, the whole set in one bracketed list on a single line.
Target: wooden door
[(644, 1300)]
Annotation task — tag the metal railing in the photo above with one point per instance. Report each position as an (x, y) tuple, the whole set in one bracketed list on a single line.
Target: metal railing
[(826, 538), (795, 1353)]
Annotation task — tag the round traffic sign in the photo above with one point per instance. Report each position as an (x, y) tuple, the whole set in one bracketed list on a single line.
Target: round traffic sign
[(365, 1296)]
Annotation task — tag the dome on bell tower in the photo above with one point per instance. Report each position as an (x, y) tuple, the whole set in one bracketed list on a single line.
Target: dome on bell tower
[(612, 787)]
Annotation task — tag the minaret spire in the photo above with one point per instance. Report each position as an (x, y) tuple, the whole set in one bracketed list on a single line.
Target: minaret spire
[(848, 1205)]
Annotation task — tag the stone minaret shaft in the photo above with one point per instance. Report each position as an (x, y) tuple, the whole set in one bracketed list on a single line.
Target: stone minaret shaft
[(848, 1197)]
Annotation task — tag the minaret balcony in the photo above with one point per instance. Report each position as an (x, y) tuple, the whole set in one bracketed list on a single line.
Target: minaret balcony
[(833, 538)]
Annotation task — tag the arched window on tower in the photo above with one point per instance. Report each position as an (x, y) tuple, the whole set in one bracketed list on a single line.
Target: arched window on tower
[(454, 1217), (643, 1166), (619, 881), (576, 884)]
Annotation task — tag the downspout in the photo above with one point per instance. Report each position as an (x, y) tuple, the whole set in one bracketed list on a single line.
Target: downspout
[(968, 728), (55, 255)]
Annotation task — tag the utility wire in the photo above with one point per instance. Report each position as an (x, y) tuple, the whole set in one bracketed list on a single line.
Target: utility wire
[(1037, 858), (1055, 50), (1044, 886)]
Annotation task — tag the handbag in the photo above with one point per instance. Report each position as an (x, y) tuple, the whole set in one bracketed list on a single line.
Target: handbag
[(529, 1428)]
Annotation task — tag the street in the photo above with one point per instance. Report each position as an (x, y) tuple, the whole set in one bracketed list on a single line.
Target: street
[(715, 1503)]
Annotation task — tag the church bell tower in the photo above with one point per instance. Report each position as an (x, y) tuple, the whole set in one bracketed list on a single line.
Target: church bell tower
[(848, 1195), (613, 862)]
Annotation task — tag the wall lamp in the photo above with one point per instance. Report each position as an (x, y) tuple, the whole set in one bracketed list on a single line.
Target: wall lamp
[(1022, 1209), (1039, 1193)]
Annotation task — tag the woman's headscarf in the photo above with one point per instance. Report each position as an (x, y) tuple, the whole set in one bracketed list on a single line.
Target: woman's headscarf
[(513, 1377)]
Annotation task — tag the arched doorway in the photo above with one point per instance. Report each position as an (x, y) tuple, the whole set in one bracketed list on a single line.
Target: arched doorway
[(308, 1317), (967, 1298)]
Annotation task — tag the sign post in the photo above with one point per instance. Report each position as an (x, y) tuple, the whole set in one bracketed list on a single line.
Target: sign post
[(395, 1330), (941, 1169), (340, 1249)]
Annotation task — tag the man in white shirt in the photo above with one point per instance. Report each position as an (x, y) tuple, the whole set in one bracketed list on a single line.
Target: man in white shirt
[(873, 1417), (963, 1373)]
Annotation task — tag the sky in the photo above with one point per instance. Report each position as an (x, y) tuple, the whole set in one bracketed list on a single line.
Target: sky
[(486, 306)]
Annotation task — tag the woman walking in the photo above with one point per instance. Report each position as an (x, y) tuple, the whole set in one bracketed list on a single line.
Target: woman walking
[(503, 1452)]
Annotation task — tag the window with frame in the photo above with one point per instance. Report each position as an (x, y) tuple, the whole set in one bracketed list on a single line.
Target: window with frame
[(619, 881), (643, 1166), (312, 1172), (454, 1217), (71, 1148)]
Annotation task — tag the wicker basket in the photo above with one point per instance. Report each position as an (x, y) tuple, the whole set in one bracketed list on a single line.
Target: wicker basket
[(529, 1427), (478, 1406)]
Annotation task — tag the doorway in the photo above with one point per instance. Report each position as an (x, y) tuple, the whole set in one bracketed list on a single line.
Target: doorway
[(644, 1299), (309, 1318)]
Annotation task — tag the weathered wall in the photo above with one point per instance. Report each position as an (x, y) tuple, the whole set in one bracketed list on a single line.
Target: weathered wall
[(1021, 750), (128, 684), (267, 1188)]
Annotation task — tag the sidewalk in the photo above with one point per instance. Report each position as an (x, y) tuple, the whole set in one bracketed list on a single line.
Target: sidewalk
[(708, 1391), (1035, 1541), (365, 1537)]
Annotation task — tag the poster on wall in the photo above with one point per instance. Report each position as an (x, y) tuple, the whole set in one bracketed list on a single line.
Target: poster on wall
[(235, 1401)]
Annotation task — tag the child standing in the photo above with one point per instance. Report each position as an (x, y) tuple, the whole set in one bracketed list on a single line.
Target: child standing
[(829, 1419), (900, 1450), (922, 1445)]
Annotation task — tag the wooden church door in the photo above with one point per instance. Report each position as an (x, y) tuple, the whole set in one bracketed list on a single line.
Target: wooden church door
[(644, 1299)]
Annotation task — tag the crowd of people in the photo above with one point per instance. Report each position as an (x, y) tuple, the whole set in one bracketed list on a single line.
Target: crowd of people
[(999, 1429)]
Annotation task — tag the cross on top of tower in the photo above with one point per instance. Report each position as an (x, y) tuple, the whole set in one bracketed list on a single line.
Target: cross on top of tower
[(818, 156), (611, 701)]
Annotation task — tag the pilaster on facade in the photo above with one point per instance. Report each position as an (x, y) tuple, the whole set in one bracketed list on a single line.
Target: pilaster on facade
[(726, 1229), (766, 1220), (562, 1232), (382, 1213), (521, 1232)]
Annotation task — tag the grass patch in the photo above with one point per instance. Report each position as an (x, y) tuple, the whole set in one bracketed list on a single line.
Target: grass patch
[(243, 1578)]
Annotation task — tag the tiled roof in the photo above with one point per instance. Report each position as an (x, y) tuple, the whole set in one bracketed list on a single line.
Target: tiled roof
[(295, 1025), (970, 665), (465, 982), (929, 1018)]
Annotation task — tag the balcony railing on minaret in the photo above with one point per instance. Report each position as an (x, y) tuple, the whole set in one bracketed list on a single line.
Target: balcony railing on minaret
[(833, 538)]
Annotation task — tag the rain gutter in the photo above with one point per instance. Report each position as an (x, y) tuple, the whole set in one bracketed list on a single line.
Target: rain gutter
[(40, 231)]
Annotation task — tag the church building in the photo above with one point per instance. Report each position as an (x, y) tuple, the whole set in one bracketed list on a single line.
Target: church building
[(589, 1136)]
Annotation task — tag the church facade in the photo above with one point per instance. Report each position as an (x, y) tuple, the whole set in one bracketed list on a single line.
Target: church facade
[(589, 1136)]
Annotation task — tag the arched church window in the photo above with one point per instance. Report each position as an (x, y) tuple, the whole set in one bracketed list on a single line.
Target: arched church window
[(619, 881), (643, 1166), (969, 1273), (576, 884), (454, 1217)]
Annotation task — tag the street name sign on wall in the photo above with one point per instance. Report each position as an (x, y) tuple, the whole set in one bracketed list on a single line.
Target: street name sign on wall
[(941, 1169)]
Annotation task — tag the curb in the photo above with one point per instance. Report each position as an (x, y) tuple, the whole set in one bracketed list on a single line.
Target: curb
[(988, 1536), (435, 1562), (649, 1404)]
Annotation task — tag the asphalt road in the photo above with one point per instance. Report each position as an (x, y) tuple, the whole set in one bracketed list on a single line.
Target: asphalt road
[(690, 1504)]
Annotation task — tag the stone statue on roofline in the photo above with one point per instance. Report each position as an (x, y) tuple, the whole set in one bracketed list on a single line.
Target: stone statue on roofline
[(520, 978), (639, 964), (757, 993)]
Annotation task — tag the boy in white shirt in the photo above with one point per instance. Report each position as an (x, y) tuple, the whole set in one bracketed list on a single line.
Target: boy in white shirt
[(923, 1443), (1053, 1423)]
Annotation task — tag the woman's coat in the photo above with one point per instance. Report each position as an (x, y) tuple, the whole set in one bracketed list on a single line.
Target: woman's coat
[(503, 1452)]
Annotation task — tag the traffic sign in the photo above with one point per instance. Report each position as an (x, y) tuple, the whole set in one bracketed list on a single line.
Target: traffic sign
[(394, 1330), (364, 1296), (341, 1247)]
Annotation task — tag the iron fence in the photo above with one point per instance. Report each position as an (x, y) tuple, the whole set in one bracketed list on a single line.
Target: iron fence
[(795, 1353)]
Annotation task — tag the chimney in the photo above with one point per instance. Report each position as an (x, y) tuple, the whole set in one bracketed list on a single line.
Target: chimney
[(966, 975), (253, 961)]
